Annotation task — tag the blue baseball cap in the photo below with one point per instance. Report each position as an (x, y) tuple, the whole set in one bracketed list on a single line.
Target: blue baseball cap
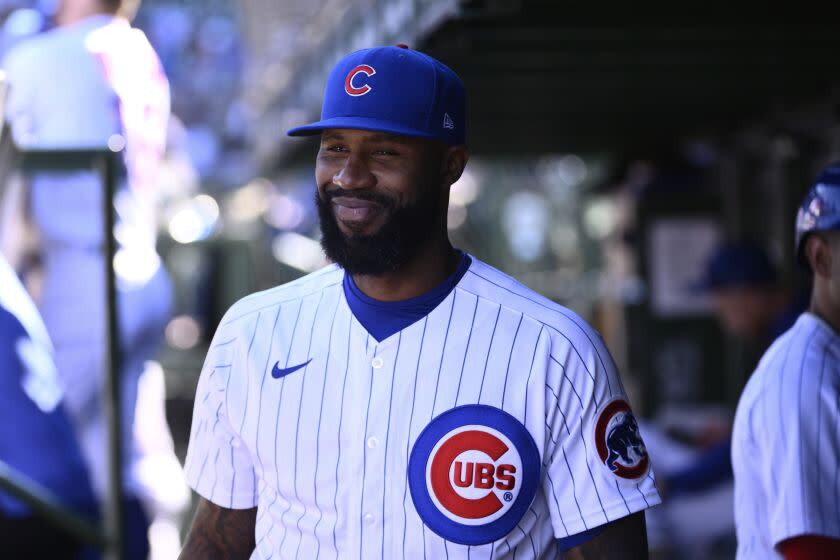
[(820, 210), (395, 90), (737, 265)]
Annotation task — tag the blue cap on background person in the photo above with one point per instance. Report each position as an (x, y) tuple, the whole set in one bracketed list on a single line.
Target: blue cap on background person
[(737, 264), (820, 210), (395, 90)]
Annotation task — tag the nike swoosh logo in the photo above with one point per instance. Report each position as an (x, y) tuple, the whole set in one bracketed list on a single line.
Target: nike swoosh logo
[(277, 372)]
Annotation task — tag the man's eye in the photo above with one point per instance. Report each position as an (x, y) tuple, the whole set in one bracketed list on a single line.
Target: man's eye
[(334, 148), (385, 152)]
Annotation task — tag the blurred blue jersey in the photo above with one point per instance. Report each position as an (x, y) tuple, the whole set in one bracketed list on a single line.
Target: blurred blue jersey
[(36, 437)]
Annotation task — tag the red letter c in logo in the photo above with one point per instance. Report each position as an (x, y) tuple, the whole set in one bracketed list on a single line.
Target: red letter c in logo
[(451, 500), (348, 82)]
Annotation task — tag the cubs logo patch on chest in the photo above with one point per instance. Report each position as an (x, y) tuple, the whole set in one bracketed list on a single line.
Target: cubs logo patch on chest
[(473, 473)]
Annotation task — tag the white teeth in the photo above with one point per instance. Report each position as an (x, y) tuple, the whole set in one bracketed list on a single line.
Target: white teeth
[(353, 214)]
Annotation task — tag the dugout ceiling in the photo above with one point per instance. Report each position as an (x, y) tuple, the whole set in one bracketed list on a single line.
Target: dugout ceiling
[(555, 76)]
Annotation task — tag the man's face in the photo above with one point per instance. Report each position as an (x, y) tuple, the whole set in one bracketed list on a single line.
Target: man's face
[(744, 312), (380, 198), (833, 239)]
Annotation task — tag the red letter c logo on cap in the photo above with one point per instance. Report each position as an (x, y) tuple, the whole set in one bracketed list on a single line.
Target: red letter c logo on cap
[(348, 82)]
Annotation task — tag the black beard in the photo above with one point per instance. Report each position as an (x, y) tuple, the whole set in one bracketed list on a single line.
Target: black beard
[(405, 232)]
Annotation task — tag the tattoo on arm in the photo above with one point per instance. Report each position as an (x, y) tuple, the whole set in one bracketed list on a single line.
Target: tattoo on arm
[(220, 533), (623, 539)]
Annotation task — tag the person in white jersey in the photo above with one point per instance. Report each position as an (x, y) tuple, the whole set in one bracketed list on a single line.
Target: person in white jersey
[(786, 440), (408, 401), (90, 82)]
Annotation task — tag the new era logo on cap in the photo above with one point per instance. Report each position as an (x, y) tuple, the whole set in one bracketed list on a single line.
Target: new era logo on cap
[(394, 90)]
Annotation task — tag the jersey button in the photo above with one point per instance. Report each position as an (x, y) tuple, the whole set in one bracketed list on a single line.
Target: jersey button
[(373, 442), (235, 443), (369, 518), (377, 362)]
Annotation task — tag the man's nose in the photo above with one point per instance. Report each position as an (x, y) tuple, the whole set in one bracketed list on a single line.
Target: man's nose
[(354, 174)]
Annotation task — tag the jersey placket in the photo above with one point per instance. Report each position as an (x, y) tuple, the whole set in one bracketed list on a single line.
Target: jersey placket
[(381, 362)]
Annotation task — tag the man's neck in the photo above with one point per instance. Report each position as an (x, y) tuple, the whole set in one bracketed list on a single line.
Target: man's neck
[(821, 307), (420, 275), (73, 16)]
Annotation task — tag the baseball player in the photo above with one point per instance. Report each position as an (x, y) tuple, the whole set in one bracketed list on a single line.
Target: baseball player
[(94, 81), (786, 443), (409, 400)]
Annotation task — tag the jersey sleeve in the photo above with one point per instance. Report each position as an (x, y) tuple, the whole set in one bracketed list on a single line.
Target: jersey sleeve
[(597, 467), (796, 451), (218, 466)]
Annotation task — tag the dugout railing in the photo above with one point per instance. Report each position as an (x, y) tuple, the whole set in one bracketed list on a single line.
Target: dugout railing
[(109, 537)]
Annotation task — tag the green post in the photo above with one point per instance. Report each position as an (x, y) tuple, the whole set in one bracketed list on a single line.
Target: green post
[(106, 162), (113, 403)]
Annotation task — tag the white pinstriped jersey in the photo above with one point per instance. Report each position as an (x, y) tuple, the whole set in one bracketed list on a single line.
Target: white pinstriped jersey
[(786, 442), (490, 428)]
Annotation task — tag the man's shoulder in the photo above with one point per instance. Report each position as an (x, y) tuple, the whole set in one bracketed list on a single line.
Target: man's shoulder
[(27, 51), (290, 292), (783, 391), (783, 364), (41, 50), (63, 41), (489, 283)]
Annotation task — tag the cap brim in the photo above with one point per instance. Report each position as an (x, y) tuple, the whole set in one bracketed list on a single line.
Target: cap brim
[(357, 123)]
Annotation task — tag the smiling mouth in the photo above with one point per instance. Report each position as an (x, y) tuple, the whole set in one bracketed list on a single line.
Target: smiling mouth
[(355, 211)]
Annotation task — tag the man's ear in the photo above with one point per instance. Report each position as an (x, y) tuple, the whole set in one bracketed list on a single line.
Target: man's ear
[(818, 252), (454, 161)]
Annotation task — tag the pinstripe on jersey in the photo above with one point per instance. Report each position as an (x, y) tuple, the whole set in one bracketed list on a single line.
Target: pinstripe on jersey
[(786, 442), (324, 452)]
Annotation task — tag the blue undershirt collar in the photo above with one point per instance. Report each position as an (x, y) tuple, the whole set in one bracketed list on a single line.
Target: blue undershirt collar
[(384, 318)]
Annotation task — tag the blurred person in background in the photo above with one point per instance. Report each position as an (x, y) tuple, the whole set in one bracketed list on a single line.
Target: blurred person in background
[(747, 295), (752, 307), (36, 437), (94, 81), (786, 440)]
